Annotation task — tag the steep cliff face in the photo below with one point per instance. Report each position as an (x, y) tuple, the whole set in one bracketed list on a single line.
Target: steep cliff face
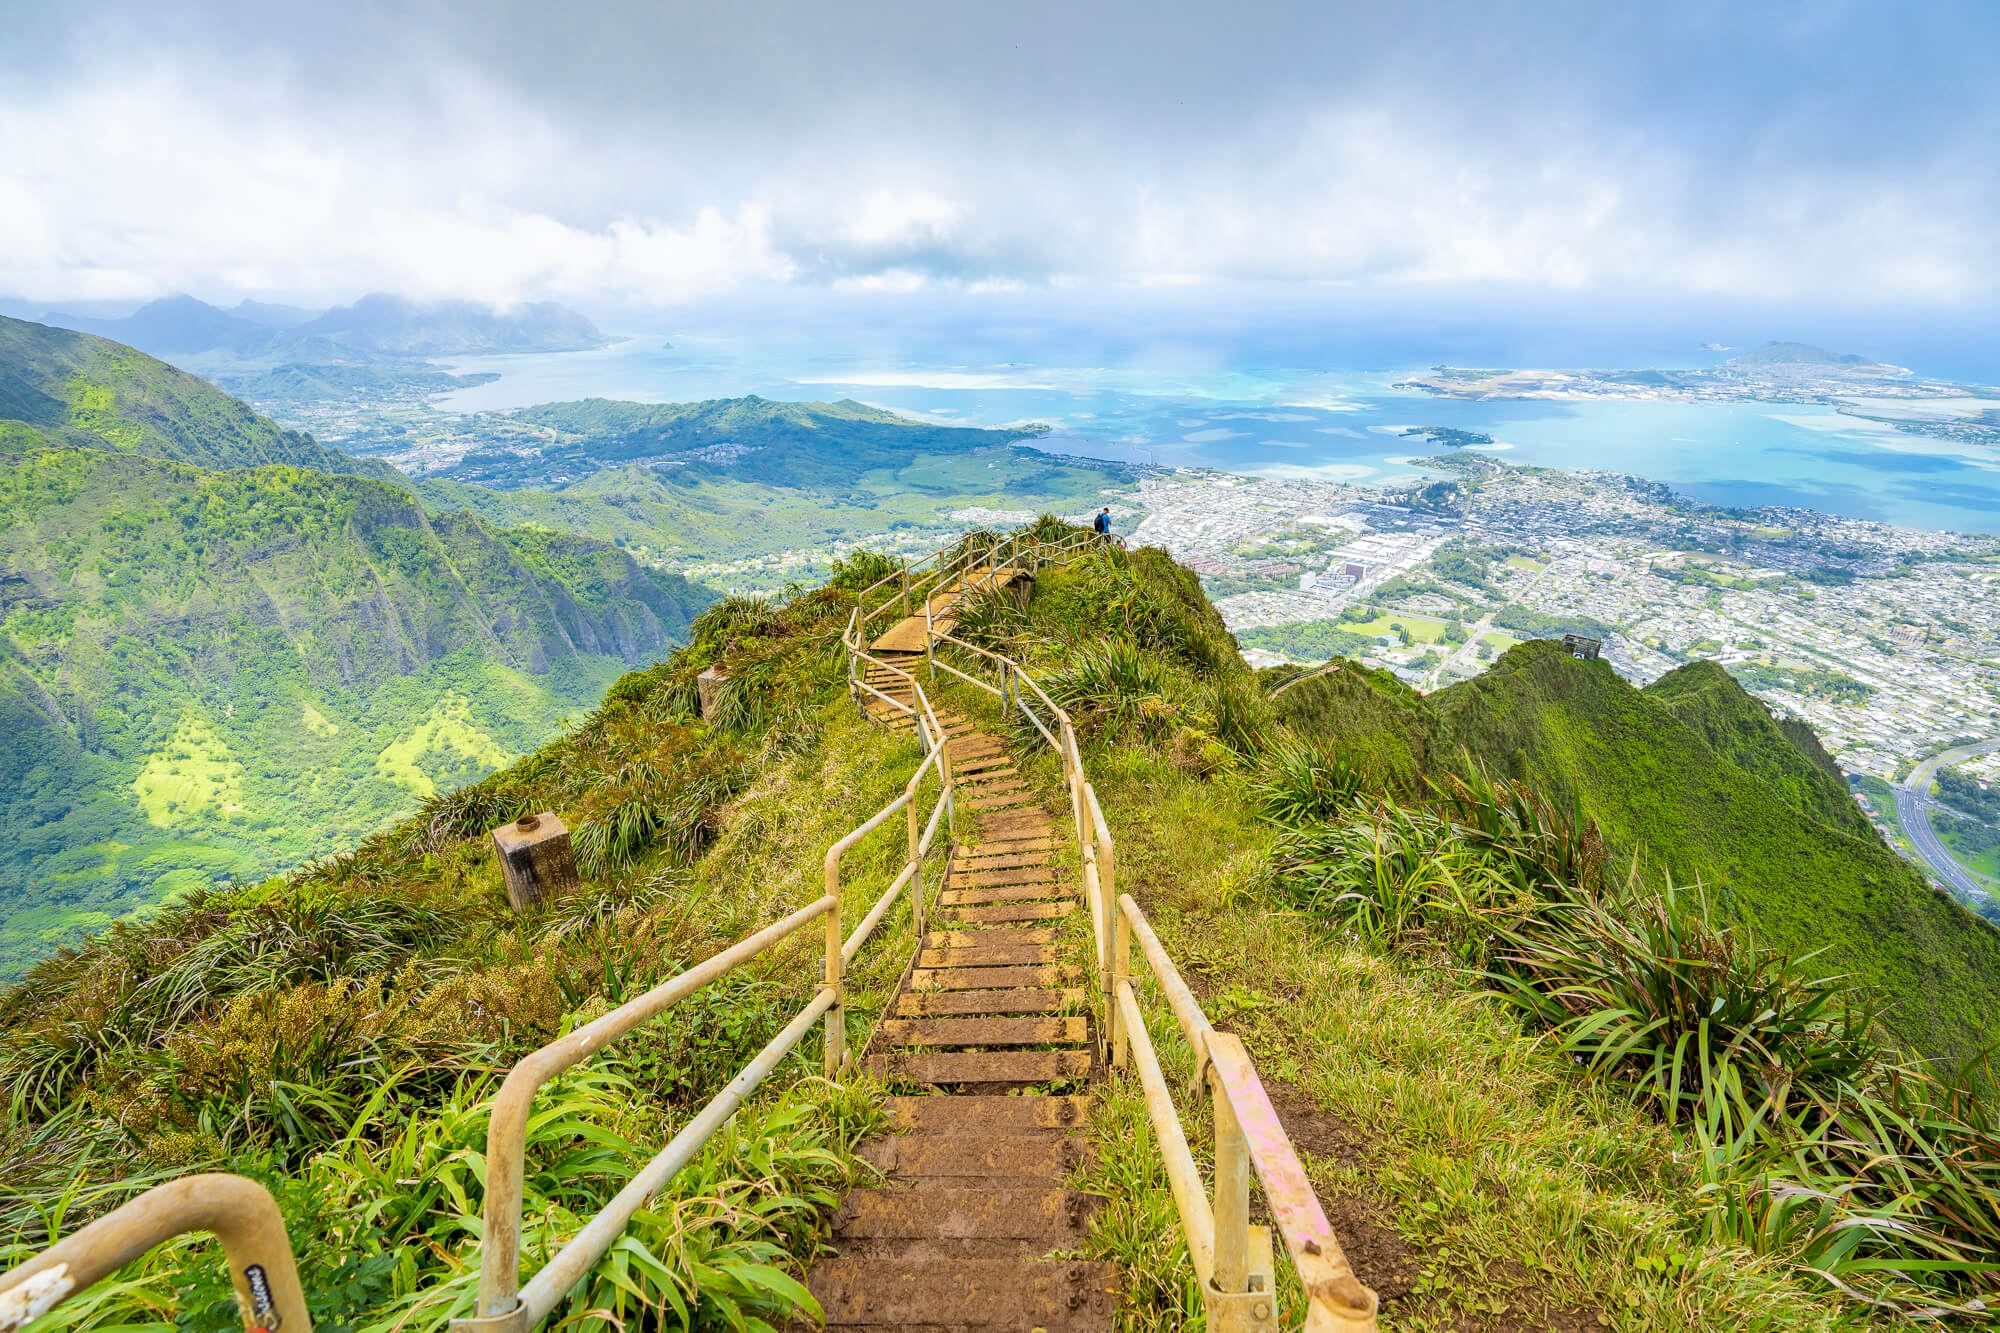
[(218, 658)]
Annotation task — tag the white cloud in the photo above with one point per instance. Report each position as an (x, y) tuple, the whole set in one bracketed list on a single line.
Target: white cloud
[(133, 175)]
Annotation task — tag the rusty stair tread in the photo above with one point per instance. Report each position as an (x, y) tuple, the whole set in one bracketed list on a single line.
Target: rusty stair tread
[(1023, 822), (994, 955), (981, 877), (964, 939), (980, 859), (908, 1033), (963, 1003), (998, 912), (1041, 1156), (1001, 893), (985, 779), (986, 1114), (994, 763), (1042, 845), (957, 1067), (1006, 800), (1055, 1215), (1056, 1296), (992, 978)]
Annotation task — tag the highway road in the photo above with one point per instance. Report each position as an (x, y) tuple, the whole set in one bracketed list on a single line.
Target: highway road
[(1913, 808)]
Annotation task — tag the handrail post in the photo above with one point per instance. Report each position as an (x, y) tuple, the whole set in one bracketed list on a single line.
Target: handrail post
[(1107, 903), (1121, 974), (836, 1015), (906, 586), (916, 863), (1241, 1295)]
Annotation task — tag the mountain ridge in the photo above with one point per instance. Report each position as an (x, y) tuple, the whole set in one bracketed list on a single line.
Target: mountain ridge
[(1657, 771), (379, 325)]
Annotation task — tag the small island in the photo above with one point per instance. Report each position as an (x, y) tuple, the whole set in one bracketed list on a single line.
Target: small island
[(1447, 435)]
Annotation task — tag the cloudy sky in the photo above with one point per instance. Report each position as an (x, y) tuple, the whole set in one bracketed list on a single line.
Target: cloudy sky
[(661, 153)]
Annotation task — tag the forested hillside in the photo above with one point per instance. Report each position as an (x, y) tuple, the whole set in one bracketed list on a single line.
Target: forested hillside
[(213, 672), (1694, 782), (804, 445)]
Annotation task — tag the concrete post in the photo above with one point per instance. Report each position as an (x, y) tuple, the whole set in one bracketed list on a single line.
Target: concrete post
[(536, 860), (708, 687)]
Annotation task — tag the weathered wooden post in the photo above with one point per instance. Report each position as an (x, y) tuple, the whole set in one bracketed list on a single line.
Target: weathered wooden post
[(536, 859), (916, 860), (836, 1016)]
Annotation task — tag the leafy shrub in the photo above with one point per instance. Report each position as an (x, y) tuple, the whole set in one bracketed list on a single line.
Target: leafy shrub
[(1113, 688), (862, 569), (1299, 783)]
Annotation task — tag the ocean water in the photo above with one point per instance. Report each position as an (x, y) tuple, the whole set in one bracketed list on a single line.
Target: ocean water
[(1339, 424)]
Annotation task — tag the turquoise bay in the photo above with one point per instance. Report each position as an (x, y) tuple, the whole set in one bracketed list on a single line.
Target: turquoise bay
[(1310, 422)]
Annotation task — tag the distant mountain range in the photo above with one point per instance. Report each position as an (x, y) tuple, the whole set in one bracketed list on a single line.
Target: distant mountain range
[(377, 327)]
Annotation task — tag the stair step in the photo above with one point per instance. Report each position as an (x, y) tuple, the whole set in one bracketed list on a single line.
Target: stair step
[(1001, 763), (1016, 825), (984, 1032), (967, 859), (983, 878), (995, 955), (991, 978), (1001, 893), (993, 783), (973, 939), (1041, 844), (1042, 1156), (999, 912), (955, 1067), (962, 1003), (986, 1115), (917, 1295), (1021, 799)]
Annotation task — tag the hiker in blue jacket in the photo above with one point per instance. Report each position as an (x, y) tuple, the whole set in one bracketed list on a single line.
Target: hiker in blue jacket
[(1102, 523)]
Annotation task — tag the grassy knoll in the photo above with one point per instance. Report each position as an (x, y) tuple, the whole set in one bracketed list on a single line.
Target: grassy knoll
[(1692, 780)]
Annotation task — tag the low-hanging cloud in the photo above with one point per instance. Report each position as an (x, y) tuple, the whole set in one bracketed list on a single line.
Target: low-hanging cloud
[(136, 161)]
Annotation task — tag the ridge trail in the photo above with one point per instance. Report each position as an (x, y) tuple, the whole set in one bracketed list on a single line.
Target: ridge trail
[(993, 1026)]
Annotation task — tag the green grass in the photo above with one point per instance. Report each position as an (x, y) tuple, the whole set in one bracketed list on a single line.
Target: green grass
[(449, 728), (1474, 1176), (1698, 783), (1422, 629), (192, 777)]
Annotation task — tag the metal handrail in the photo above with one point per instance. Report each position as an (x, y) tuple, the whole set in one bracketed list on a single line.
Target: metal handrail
[(240, 1212), (506, 1304)]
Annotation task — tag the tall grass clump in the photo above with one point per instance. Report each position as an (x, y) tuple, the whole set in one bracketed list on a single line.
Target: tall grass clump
[(1812, 1140)]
